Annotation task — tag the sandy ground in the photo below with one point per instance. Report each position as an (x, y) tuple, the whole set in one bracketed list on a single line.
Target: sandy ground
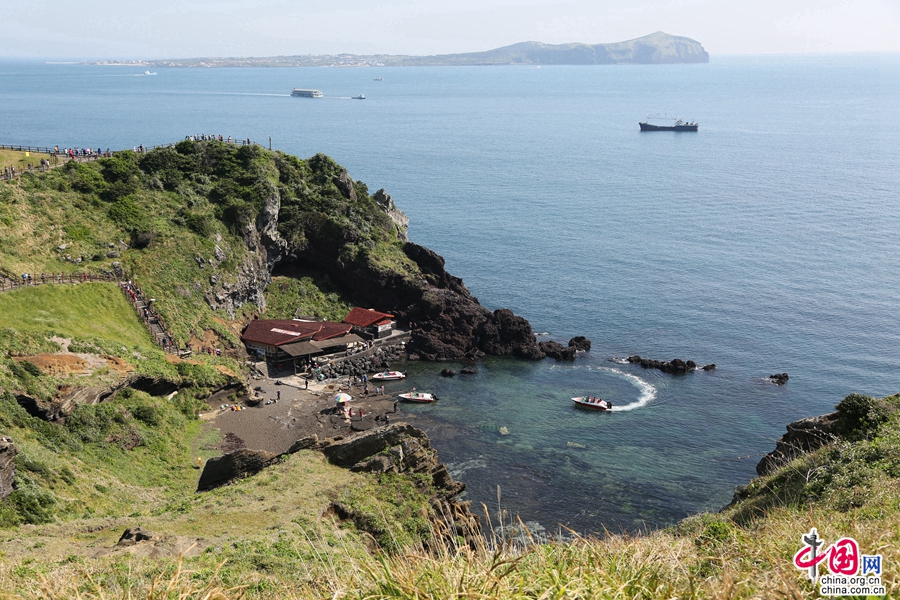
[(300, 413)]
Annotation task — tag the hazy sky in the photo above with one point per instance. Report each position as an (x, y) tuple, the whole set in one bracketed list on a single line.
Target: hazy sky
[(188, 28)]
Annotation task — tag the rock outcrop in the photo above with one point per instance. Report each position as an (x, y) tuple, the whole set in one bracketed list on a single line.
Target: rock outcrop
[(675, 366), (235, 465), (580, 343), (401, 221), (557, 350), (802, 436), (401, 448), (136, 535), (779, 378), (8, 452)]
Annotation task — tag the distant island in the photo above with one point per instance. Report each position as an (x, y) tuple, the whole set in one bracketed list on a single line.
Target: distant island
[(656, 48)]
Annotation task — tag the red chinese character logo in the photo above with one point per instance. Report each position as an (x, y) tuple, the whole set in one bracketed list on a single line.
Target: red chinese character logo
[(843, 556)]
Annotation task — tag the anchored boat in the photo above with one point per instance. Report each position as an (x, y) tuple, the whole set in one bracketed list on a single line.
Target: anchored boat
[(671, 125), (388, 376), (420, 397)]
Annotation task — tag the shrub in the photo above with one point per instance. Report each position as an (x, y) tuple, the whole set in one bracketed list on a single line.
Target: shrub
[(859, 415)]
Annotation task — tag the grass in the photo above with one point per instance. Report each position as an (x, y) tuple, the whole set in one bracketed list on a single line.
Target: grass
[(84, 311), (289, 296), (19, 160)]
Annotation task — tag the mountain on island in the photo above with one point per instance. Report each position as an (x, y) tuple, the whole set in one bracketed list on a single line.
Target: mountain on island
[(656, 48)]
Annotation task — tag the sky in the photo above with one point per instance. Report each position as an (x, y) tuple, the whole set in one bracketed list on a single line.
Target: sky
[(193, 28)]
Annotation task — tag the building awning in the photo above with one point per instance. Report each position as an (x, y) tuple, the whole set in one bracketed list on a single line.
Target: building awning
[(343, 340), (300, 348)]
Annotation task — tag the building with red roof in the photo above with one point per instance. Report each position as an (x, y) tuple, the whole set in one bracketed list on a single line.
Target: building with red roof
[(274, 337), (369, 322)]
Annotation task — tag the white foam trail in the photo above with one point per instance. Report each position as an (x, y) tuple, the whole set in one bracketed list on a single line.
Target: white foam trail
[(648, 392), (620, 361)]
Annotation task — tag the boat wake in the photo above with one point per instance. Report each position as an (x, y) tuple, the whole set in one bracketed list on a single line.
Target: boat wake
[(648, 392)]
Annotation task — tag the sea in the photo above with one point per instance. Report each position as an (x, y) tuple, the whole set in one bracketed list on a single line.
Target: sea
[(767, 242)]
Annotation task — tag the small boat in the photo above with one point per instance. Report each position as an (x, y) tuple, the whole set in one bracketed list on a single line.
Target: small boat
[(388, 376), (592, 402), (360, 97), (149, 73), (420, 397), (378, 79)]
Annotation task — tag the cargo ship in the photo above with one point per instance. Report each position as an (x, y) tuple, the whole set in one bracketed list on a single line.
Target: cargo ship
[(306, 93), (678, 125)]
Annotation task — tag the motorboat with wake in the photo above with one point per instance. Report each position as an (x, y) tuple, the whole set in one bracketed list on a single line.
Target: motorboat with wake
[(592, 402)]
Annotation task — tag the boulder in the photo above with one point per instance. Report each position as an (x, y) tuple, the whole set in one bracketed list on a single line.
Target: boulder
[(447, 373), (779, 378), (234, 465), (802, 436), (8, 452), (136, 535), (468, 371), (344, 184), (580, 343), (557, 350)]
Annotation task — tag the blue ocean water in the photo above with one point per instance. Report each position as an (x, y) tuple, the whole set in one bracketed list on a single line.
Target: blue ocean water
[(766, 242)]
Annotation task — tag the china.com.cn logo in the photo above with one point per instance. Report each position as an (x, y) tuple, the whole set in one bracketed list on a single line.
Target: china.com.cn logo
[(849, 572)]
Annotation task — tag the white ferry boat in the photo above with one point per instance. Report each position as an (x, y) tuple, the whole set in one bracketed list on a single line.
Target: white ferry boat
[(301, 93)]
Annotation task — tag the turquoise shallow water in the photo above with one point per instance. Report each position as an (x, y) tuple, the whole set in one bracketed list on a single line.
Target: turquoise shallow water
[(766, 242)]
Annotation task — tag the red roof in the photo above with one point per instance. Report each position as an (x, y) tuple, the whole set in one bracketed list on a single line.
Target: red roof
[(364, 317), (277, 332)]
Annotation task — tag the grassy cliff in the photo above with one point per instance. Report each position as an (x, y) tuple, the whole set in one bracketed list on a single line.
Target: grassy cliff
[(182, 222)]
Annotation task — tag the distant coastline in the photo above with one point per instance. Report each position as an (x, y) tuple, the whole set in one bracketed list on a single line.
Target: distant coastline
[(656, 48)]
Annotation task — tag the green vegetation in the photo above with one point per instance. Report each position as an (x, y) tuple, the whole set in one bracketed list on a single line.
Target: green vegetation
[(19, 160), (78, 310), (175, 221), (287, 297)]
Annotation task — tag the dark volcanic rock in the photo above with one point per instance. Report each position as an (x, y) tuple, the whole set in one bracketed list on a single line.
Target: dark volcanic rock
[(240, 463), (8, 452), (676, 366), (779, 378), (557, 350), (580, 343), (710, 367), (135, 535), (802, 436), (447, 373), (56, 411), (468, 371)]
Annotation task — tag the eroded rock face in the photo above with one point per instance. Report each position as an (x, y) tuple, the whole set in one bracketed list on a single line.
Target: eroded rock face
[(401, 448), (235, 465), (401, 221), (8, 452), (802, 436)]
